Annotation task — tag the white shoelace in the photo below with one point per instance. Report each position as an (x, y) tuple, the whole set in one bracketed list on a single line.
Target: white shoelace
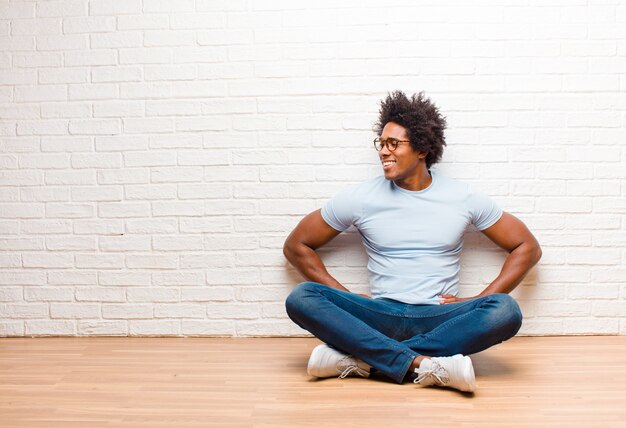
[(439, 375), (347, 365)]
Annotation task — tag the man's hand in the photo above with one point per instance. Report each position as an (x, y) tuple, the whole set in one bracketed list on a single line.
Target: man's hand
[(449, 298)]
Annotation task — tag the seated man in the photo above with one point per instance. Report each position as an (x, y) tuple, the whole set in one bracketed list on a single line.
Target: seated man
[(411, 221)]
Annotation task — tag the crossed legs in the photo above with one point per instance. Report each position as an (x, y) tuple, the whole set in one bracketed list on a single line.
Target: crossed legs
[(393, 336)]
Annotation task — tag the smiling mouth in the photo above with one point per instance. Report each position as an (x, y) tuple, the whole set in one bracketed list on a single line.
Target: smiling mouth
[(388, 163)]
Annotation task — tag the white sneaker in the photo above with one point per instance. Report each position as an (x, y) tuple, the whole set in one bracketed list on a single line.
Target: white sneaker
[(455, 372), (328, 362)]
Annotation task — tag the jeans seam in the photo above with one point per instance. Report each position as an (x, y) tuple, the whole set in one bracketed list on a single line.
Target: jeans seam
[(452, 323), (362, 306), (458, 306)]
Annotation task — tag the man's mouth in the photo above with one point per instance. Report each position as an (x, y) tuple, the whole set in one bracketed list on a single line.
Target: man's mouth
[(388, 164)]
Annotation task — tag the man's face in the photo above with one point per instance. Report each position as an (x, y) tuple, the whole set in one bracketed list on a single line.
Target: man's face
[(403, 162)]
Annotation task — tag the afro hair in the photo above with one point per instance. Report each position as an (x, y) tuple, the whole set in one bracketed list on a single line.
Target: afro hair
[(421, 118)]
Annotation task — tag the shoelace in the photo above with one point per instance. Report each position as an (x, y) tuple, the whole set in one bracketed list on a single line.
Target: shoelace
[(436, 371), (347, 365)]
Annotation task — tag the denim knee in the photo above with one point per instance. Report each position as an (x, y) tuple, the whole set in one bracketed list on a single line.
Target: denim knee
[(296, 301), (507, 313)]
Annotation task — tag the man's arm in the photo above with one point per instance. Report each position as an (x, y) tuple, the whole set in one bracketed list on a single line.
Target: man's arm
[(311, 233), (512, 235)]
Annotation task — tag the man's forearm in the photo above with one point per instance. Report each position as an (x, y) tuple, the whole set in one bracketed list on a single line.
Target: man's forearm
[(515, 268), (310, 265)]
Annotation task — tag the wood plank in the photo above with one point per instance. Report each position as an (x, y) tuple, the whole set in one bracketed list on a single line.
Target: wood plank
[(262, 382)]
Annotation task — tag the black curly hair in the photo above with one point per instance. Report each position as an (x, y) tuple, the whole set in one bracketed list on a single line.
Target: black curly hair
[(420, 117)]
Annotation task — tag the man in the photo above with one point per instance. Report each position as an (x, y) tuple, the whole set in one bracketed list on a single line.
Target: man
[(411, 221)]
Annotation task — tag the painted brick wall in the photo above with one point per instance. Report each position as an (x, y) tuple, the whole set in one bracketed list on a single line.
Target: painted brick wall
[(155, 153)]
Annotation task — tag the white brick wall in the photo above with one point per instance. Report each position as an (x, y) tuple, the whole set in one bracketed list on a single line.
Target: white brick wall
[(154, 154)]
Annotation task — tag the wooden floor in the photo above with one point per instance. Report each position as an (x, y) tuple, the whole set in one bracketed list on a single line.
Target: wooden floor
[(262, 382)]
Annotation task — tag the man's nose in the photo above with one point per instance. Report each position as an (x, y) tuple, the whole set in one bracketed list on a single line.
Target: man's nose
[(385, 150)]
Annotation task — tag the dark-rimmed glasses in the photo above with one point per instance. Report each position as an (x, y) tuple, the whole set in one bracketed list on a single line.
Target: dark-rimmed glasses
[(391, 143)]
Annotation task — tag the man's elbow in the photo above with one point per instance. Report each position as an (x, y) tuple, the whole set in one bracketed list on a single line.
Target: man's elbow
[(537, 253)]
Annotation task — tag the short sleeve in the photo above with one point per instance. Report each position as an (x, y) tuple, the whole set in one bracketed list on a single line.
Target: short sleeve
[(340, 212), (484, 211)]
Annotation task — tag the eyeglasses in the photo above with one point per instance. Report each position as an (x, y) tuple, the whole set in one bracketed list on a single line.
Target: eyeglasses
[(391, 144)]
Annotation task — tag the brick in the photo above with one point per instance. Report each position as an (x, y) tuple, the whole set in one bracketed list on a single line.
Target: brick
[(124, 176), (178, 208), (127, 311), (65, 110), (208, 328), (121, 109), (50, 328), (77, 243), (120, 143), (62, 42), (172, 108), (178, 278), (11, 328), (207, 294), (181, 310), (90, 58), (148, 125), (204, 191), (116, 74), (22, 278), (151, 262), (100, 294), (63, 76), (10, 260), (588, 325), (104, 328), (155, 328), (114, 7), (74, 310), (124, 278), (146, 56), (176, 174), (122, 243), (47, 260), (66, 144), (42, 127), (204, 157), (95, 127), (155, 225), (233, 310), (71, 278), (99, 261), (119, 39), (99, 91), (61, 8), (17, 178), (206, 260), (152, 294), (88, 24), (176, 38), (143, 22), (177, 243), (98, 227), (150, 192), (64, 177), (230, 206)]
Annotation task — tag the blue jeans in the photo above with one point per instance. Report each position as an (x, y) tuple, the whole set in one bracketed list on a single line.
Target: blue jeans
[(388, 334)]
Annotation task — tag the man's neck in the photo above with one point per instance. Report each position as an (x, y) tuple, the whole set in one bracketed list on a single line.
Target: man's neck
[(417, 182)]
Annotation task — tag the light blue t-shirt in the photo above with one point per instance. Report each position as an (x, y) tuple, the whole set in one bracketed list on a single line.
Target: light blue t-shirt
[(413, 239)]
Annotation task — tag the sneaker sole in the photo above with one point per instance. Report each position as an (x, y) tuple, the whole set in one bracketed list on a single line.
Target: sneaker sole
[(314, 361), (468, 374)]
